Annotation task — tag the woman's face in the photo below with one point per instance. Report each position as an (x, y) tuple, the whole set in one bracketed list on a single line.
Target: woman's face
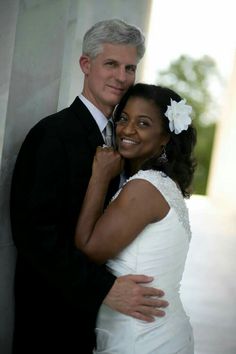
[(139, 131)]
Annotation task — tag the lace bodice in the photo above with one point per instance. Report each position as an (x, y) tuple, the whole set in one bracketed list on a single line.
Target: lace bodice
[(169, 190)]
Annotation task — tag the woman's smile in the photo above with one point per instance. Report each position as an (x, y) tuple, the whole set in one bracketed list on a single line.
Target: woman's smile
[(127, 142)]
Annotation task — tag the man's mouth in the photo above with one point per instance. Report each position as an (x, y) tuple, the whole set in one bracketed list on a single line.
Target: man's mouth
[(119, 90)]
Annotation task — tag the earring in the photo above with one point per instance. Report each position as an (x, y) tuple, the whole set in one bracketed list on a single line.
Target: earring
[(163, 157)]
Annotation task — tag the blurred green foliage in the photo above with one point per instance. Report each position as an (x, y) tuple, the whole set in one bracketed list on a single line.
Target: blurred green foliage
[(192, 79)]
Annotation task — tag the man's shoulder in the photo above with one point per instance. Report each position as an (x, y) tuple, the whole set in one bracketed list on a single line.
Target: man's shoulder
[(62, 120), (70, 124)]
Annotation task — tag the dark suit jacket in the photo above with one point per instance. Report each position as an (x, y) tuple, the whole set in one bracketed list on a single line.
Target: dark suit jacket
[(58, 291)]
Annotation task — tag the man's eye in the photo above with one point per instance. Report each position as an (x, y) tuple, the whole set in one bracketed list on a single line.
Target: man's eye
[(110, 63), (131, 69)]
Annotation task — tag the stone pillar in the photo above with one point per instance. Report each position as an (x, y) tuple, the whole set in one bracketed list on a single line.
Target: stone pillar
[(222, 177), (34, 37), (8, 19)]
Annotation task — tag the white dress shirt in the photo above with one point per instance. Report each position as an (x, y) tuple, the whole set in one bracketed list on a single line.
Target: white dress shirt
[(98, 116)]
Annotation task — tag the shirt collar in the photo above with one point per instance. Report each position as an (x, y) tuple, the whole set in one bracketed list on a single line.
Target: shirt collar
[(98, 116)]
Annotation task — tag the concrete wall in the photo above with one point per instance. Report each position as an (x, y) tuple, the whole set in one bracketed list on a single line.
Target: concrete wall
[(8, 18), (40, 74)]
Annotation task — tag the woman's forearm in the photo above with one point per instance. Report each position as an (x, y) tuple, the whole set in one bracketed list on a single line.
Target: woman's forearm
[(106, 165)]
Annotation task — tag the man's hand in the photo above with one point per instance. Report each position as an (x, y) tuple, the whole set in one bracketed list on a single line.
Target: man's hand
[(131, 298)]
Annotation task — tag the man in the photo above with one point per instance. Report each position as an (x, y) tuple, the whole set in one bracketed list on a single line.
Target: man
[(58, 290)]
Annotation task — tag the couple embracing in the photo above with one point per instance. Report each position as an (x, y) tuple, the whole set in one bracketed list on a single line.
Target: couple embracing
[(102, 233)]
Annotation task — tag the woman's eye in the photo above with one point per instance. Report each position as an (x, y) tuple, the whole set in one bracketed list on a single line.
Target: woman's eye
[(122, 119), (143, 123)]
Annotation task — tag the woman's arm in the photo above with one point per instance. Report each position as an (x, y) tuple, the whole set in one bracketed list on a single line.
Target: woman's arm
[(102, 235), (106, 165)]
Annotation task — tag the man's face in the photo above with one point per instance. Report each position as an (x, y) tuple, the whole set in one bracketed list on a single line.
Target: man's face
[(109, 75)]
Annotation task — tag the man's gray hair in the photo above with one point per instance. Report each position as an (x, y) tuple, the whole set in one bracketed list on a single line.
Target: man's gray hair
[(112, 31)]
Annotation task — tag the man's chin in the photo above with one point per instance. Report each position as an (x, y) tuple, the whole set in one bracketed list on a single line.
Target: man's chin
[(115, 98)]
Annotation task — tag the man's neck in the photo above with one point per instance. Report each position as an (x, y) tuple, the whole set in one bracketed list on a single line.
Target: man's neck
[(106, 110)]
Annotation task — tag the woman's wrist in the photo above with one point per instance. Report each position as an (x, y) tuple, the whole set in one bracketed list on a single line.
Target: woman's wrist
[(101, 178)]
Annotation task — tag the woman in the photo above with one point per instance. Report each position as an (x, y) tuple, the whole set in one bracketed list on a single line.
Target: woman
[(145, 228)]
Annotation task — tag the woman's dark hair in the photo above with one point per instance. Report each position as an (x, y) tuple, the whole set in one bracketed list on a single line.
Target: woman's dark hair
[(181, 163)]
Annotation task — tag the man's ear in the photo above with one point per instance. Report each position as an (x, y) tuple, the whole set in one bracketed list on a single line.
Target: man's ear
[(84, 62)]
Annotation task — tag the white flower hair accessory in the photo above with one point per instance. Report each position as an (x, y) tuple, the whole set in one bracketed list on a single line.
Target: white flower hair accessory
[(178, 114)]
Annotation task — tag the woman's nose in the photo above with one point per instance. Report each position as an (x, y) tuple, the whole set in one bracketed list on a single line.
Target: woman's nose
[(129, 128)]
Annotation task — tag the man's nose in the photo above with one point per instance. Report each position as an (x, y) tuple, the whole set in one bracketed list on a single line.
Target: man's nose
[(121, 74)]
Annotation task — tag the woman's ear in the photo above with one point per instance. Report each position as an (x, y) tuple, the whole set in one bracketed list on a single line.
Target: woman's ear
[(166, 139), (84, 62)]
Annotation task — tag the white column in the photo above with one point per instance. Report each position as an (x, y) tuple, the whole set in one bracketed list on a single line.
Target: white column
[(8, 19), (222, 177), (32, 41)]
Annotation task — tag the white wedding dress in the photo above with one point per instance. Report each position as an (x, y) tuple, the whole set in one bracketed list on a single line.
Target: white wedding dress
[(160, 251)]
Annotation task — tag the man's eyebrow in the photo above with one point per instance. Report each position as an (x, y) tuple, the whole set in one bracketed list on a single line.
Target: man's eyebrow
[(132, 65), (112, 59)]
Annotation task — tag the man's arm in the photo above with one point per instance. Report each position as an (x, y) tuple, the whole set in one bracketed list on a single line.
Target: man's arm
[(42, 228)]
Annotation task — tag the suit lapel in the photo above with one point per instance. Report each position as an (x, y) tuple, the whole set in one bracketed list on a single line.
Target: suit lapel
[(94, 136), (89, 124)]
